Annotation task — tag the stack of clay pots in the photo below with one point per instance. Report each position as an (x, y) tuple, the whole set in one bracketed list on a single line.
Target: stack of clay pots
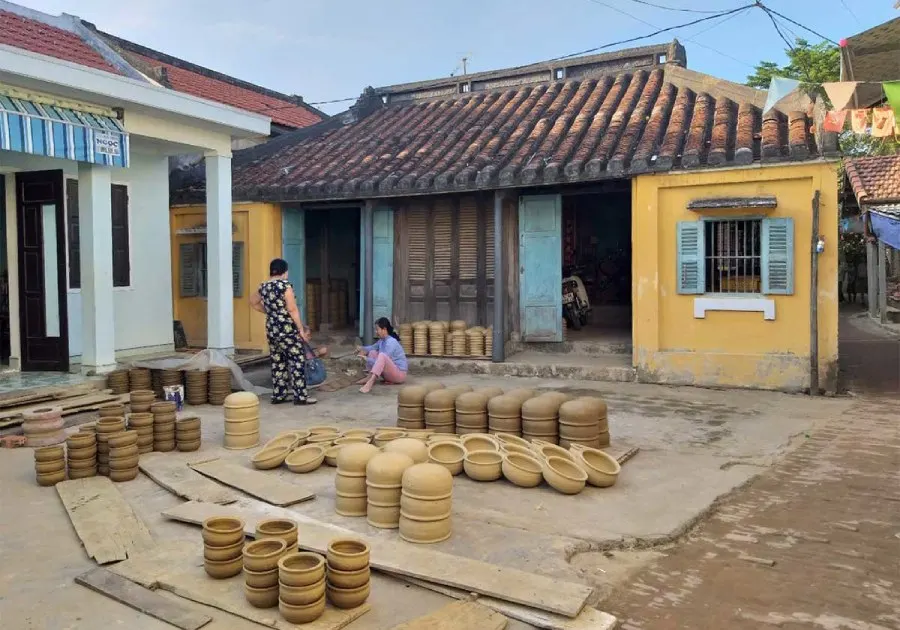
[(241, 420), (471, 413), (436, 339), (223, 542), (81, 455), (313, 303), (301, 587), (406, 337), (420, 338), (261, 571), (105, 428), (50, 465), (123, 456), (142, 424), (163, 425), (440, 413), (139, 379), (599, 410), (458, 343), (447, 451), (458, 325), (350, 480), (347, 573), (187, 434), (413, 447), (219, 385), (195, 387), (475, 342), (141, 400), (522, 393), (43, 426), (117, 381), (411, 407), (111, 410), (505, 414), (540, 418), (280, 529), (156, 383), (425, 499), (489, 342), (169, 377), (579, 422), (385, 436), (384, 475)]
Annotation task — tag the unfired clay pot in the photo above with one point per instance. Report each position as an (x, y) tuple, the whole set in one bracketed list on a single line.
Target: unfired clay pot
[(480, 442), (561, 397), (350, 506), (602, 469), (347, 598), (382, 437), (221, 531), (261, 597), (414, 448), (136, 420), (261, 579), (424, 532), (83, 473), (123, 475), (489, 392), (543, 407), (49, 453), (349, 485), (301, 569), (322, 429), (383, 495), (331, 455), (440, 400), (221, 554), (302, 614), (386, 469), (521, 393), (596, 405), (241, 441), (281, 528), (302, 595), (427, 481), (515, 448), (45, 468), (425, 509), (522, 470), (263, 555), (79, 464), (81, 440), (222, 569), (270, 458), (185, 436), (564, 475), (240, 400), (123, 463), (126, 438), (552, 450), (349, 579), (347, 554), (483, 465), (450, 455), (81, 454), (51, 479), (353, 458), (383, 516), (411, 395), (305, 459)]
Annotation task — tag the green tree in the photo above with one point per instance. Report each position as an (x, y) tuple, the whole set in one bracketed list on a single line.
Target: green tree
[(810, 64)]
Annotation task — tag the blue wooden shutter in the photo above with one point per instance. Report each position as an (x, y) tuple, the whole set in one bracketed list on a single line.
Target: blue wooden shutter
[(540, 267), (293, 251), (382, 263), (691, 272), (778, 256)]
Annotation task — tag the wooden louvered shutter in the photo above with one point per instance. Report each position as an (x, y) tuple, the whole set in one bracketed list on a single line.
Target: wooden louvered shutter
[(121, 246), (690, 257), (442, 228), (778, 256), (237, 268), (73, 234), (468, 239), (187, 270), (417, 221), (489, 243)]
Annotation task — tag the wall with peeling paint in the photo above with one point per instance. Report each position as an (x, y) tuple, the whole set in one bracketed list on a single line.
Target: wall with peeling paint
[(726, 348)]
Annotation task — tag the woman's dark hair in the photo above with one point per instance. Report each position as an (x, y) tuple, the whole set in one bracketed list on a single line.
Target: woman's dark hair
[(277, 267), (385, 323)]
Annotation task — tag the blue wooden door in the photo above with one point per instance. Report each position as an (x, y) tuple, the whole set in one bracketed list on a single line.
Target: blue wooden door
[(382, 267), (293, 250), (540, 267)]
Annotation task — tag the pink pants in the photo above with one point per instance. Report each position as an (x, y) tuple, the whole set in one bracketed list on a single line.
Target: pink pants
[(381, 364)]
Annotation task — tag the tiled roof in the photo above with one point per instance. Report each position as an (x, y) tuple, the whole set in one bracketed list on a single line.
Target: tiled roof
[(44, 39), (874, 179), (564, 131)]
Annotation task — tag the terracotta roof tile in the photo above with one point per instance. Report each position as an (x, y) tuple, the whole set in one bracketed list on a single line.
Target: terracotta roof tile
[(563, 131), (874, 179), (41, 38)]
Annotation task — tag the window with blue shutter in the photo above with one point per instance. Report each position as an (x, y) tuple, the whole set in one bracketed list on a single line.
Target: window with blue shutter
[(690, 257), (778, 256)]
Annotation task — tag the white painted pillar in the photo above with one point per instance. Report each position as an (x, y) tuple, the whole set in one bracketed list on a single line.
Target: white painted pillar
[(219, 293), (98, 353)]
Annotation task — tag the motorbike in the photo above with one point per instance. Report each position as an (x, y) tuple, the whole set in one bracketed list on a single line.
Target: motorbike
[(576, 305)]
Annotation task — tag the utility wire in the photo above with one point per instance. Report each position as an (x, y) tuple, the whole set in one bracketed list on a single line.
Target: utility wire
[(778, 29), (850, 11), (795, 23), (659, 6)]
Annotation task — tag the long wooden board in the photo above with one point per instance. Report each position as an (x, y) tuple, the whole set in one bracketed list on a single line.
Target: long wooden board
[(404, 559), (269, 488), (141, 599), (107, 526), (172, 556), (49, 392), (176, 477), (458, 616), (77, 404)]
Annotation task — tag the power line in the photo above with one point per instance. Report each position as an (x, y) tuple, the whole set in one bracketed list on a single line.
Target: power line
[(777, 28), (850, 11), (659, 6), (337, 100), (795, 23)]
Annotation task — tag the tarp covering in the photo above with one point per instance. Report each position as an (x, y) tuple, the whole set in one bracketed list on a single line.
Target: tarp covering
[(202, 361), (886, 225)]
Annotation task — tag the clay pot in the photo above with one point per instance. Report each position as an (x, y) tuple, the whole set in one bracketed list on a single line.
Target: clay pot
[(521, 394), (543, 407), (136, 420), (556, 396), (552, 450), (415, 449), (450, 455), (82, 454), (302, 614), (302, 595), (88, 428), (187, 436), (288, 441), (240, 400), (564, 475), (223, 569), (522, 470), (51, 478), (383, 494), (111, 410), (579, 432), (124, 451), (261, 597), (471, 402), (350, 505), (431, 385), (263, 555), (305, 459), (349, 579), (301, 569), (322, 429), (331, 455), (241, 442), (81, 441), (440, 400), (483, 465), (227, 552), (80, 464), (325, 439), (50, 467), (83, 473), (270, 458), (366, 433), (142, 396), (165, 446), (602, 469), (126, 438), (221, 531), (353, 458), (382, 438), (427, 481), (347, 598), (110, 425), (411, 395), (261, 579), (353, 439), (386, 469), (506, 440), (123, 475), (49, 453), (162, 407), (424, 532), (280, 528), (489, 392), (383, 516), (167, 418), (595, 405), (347, 554), (241, 414), (425, 509), (480, 442), (123, 463), (187, 424)]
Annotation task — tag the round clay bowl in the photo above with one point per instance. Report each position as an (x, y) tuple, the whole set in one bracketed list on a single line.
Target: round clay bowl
[(83, 473), (142, 396), (483, 465), (431, 385), (480, 442), (346, 598), (238, 400), (241, 442), (471, 401), (261, 597), (49, 453), (126, 438), (222, 569), (124, 463), (302, 614), (353, 458), (521, 393), (383, 516), (349, 579), (602, 470), (322, 429), (353, 439), (88, 428), (110, 411), (450, 455), (302, 595), (331, 455), (221, 531), (522, 469), (186, 436), (579, 432), (261, 579), (564, 475), (78, 464), (140, 420), (411, 395), (270, 458), (350, 506), (425, 509), (387, 468), (541, 408), (52, 478), (165, 446), (281, 528), (241, 415), (424, 532), (325, 439), (427, 481), (515, 448), (227, 552), (242, 426), (506, 439), (263, 555), (187, 424), (50, 467), (383, 437), (440, 400), (305, 459), (412, 447), (81, 440), (288, 441), (124, 451), (596, 406), (552, 450), (442, 437), (110, 425), (79, 454), (123, 475), (366, 433), (490, 392), (301, 569), (347, 554)]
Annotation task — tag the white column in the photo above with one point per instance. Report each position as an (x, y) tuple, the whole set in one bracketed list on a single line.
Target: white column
[(98, 353), (219, 293)]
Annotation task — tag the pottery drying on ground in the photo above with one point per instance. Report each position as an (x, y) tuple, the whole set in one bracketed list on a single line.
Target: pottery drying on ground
[(302, 614), (301, 569), (123, 475), (424, 532), (270, 458), (545, 450), (353, 458), (522, 470), (427, 481), (350, 506), (223, 553), (347, 598), (383, 437), (386, 469), (302, 595), (450, 455), (349, 579), (347, 554), (261, 579), (349, 485), (411, 395), (515, 448), (220, 531), (564, 475), (414, 448), (483, 465), (383, 516), (602, 469), (480, 442), (305, 459), (261, 597), (425, 509), (263, 555), (44, 468), (504, 414), (223, 569), (281, 528)]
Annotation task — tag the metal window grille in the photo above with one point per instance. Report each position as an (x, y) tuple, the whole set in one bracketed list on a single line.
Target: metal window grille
[(733, 260)]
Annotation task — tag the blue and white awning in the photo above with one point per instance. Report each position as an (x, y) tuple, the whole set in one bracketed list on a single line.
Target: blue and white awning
[(55, 131), (886, 224)]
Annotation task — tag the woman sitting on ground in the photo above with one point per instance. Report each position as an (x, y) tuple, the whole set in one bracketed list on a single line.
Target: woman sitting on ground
[(385, 358)]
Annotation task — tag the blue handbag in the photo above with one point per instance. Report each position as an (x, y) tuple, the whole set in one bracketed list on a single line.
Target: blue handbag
[(315, 367)]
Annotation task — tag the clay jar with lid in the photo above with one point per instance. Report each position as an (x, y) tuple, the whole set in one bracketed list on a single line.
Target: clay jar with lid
[(384, 474), (414, 448), (504, 415)]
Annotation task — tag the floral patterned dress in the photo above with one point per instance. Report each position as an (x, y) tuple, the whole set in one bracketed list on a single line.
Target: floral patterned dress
[(288, 360)]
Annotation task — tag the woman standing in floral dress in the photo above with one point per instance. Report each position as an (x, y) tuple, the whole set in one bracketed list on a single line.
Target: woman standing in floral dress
[(284, 331)]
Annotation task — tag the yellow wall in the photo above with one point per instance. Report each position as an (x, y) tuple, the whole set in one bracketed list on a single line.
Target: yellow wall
[(259, 227), (733, 349)]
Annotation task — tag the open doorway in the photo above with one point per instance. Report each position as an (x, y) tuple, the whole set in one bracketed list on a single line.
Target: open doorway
[(5, 333), (332, 270)]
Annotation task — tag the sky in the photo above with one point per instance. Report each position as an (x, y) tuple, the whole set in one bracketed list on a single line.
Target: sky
[(325, 50)]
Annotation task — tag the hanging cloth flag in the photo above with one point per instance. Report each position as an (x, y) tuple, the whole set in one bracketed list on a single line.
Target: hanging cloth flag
[(859, 120), (840, 93), (892, 91), (778, 89), (834, 121), (882, 122)]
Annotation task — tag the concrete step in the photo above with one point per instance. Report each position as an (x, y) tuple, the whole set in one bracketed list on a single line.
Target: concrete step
[(586, 348)]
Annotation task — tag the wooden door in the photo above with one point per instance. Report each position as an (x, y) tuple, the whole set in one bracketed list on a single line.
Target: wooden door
[(43, 312), (293, 251), (540, 267), (382, 263)]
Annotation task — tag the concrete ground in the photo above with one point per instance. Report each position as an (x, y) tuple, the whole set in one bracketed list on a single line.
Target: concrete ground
[(696, 446)]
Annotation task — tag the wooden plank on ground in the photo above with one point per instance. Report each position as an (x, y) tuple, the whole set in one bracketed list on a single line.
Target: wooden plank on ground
[(141, 599), (50, 392), (408, 560), (622, 452), (107, 526), (176, 477), (263, 486), (458, 616), (172, 556), (78, 404)]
